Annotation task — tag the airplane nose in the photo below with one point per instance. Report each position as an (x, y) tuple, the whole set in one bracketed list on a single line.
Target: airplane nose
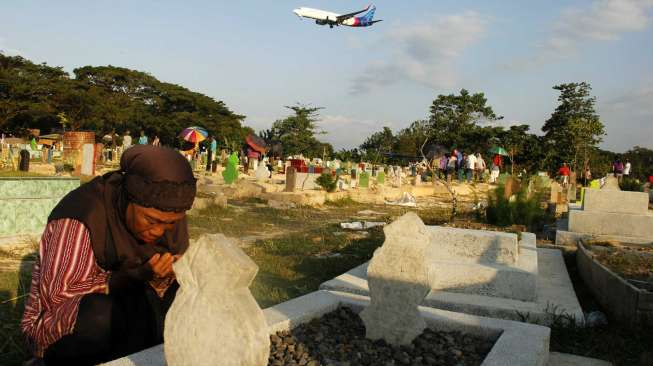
[(296, 11)]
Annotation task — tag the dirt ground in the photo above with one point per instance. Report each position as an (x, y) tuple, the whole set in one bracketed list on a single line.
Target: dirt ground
[(630, 261)]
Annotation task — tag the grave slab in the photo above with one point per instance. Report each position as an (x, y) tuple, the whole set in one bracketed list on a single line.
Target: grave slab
[(615, 201), (554, 289), (609, 223), (531, 341)]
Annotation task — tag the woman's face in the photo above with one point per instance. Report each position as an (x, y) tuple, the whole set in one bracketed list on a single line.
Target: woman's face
[(149, 224)]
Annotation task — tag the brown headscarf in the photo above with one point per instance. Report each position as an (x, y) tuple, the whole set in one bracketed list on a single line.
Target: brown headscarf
[(149, 176)]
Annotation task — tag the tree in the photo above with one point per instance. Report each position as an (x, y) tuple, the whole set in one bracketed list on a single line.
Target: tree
[(379, 144), (586, 134), (105, 98), (454, 116), (574, 127), (297, 133)]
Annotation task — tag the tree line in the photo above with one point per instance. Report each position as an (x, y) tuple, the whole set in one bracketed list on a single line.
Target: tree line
[(105, 99), (465, 121)]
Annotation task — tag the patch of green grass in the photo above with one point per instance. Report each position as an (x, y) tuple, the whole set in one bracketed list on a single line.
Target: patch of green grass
[(343, 202), (295, 265), (14, 286)]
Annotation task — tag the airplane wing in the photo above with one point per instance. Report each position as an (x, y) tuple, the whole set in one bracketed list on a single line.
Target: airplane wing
[(344, 17)]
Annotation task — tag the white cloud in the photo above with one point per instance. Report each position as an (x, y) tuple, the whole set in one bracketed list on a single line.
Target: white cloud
[(602, 20), (347, 132), (423, 53), (628, 117)]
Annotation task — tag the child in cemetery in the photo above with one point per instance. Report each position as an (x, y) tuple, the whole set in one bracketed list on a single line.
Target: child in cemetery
[(103, 283)]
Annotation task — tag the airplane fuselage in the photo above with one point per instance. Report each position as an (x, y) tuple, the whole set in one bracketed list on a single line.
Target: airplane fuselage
[(331, 19)]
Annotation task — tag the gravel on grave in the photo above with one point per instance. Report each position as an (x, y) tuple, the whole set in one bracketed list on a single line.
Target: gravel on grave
[(338, 339)]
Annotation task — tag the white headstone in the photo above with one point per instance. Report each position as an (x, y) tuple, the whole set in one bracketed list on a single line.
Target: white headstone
[(398, 282), (214, 318), (262, 172), (88, 157)]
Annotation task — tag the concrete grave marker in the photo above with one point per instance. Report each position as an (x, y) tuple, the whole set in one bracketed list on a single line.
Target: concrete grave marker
[(291, 179), (380, 178), (364, 180), (611, 183), (214, 318), (398, 282), (262, 173), (88, 157)]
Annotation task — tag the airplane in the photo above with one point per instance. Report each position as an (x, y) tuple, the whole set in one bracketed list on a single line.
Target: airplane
[(332, 19)]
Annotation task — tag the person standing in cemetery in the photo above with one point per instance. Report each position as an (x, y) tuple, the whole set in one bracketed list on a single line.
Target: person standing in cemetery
[(563, 173), (210, 153), (142, 140), (480, 166), (444, 159), (470, 164), (496, 168), (104, 282), (156, 141), (126, 141), (451, 167), (627, 168), (618, 168)]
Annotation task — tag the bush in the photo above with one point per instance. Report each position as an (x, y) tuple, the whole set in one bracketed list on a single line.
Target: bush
[(522, 210), (630, 184), (327, 182)]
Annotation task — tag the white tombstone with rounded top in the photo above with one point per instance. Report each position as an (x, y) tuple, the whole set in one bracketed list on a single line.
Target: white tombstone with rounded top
[(214, 319), (398, 282)]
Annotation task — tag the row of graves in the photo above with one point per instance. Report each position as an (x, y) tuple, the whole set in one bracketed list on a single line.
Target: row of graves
[(301, 176), (430, 295)]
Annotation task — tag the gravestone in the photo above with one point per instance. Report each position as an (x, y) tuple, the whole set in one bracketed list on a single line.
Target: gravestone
[(291, 179), (556, 190), (380, 178), (418, 180), (214, 318), (364, 180), (511, 186), (262, 173), (230, 174), (611, 183), (398, 282), (23, 166), (88, 158)]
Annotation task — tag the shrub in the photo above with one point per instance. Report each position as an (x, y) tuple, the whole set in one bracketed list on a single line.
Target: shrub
[(327, 182), (522, 210), (630, 184)]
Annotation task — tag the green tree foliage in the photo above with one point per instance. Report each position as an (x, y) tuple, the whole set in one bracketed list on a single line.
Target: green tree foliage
[(297, 133), (453, 117), (379, 144), (574, 128), (105, 98), (641, 160)]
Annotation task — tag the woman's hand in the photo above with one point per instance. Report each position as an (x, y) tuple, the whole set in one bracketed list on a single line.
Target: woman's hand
[(162, 264)]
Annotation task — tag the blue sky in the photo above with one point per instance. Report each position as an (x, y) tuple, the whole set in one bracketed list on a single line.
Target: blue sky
[(257, 56)]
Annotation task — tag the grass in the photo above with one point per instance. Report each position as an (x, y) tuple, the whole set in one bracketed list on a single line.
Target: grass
[(19, 174), (13, 287)]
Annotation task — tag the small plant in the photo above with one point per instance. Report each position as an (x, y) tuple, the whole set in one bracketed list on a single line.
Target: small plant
[(68, 168), (630, 184), (327, 182), (522, 210)]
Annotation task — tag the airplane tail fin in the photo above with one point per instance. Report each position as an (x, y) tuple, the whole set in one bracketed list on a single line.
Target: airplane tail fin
[(370, 14)]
